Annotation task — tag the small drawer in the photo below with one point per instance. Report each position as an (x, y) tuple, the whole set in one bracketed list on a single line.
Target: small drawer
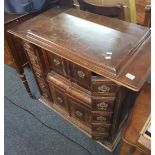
[(103, 103), (33, 59), (102, 86), (59, 97), (99, 117), (81, 76), (37, 70), (79, 112), (100, 137), (42, 84), (100, 128), (29, 48), (58, 64)]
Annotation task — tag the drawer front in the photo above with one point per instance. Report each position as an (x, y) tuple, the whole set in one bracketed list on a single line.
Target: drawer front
[(33, 59), (103, 103), (58, 64), (99, 137), (101, 128), (101, 117), (102, 86), (29, 48), (81, 76), (59, 98), (79, 112)]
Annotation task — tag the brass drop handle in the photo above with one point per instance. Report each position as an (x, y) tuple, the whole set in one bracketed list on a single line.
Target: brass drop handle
[(81, 74), (56, 62), (101, 118), (60, 100), (100, 129), (104, 89), (78, 114), (102, 106)]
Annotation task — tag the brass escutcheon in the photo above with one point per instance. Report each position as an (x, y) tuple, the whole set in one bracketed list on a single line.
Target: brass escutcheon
[(104, 89), (78, 113), (102, 106), (101, 118), (81, 74), (56, 62)]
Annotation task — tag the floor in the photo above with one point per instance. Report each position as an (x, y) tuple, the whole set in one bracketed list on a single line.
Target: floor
[(33, 129)]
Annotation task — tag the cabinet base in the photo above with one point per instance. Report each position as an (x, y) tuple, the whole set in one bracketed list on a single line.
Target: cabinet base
[(86, 130)]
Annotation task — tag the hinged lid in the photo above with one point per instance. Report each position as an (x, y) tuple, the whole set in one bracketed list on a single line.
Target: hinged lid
[(105, 46)]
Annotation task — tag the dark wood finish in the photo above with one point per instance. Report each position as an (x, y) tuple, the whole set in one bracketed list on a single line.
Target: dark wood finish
[(147, 20), (136, 121), (82, 72), (112, 11), (125, 49)]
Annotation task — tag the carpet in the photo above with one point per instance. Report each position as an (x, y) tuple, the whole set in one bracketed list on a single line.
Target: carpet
[(39, 130)]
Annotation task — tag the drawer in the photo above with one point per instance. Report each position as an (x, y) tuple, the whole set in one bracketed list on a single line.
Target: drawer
[(42, 83), (59, 98), (101, 128), (79, 111), (81, 76), (29, 48), (102, 86), (46, 93), (33, 59), (100, 137), (101, 117), (58, 64), (37, 70), (103, 103)]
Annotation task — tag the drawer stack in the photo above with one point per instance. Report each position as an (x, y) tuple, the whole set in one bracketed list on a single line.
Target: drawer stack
[(36, 65), (103, 102), (86, 99)]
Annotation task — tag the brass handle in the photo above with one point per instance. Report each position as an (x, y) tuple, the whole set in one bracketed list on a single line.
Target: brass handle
[(100, 129), (81, 74), (101, 118), (78, 114), (104, 89), (102, 106), (60, 100), (56, 62)]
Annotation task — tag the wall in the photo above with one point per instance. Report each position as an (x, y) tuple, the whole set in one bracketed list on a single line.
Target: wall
[(129, 7)]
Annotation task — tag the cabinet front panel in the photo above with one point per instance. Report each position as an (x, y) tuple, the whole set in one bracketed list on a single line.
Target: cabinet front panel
[(80, 76), (78, 111), (58, 64)]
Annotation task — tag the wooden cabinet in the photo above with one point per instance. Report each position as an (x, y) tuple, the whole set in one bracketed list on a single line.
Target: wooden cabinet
[(84, 65)]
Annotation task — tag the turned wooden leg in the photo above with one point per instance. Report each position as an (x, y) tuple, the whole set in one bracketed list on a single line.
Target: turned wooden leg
[(23, 78), (125, 149), (15, 51)]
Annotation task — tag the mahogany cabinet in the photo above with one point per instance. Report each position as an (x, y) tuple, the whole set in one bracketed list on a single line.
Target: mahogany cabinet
[(86, 66)]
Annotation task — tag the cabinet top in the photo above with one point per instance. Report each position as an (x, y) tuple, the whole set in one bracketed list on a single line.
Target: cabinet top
[(112, 48)]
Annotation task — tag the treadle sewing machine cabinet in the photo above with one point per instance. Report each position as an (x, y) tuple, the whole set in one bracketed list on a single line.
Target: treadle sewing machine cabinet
[(85, 65)]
